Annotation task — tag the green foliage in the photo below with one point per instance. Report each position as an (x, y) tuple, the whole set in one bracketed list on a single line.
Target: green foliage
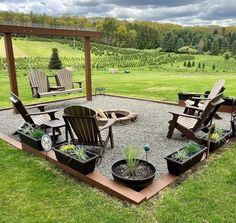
[(78, 151), (67, 148), (131, 156), (192, 148), (55, 62), (213, 66), (215, 50), (189, 64), (199, 65), (193, 64), (180, 155), (37, 133)]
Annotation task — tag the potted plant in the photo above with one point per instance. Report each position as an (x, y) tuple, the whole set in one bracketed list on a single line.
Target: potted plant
[(217, 138), (31, 136), (184, 158), (76, 157), (133, 172)]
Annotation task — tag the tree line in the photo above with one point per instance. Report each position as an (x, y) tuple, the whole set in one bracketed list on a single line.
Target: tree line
[(141, 34)]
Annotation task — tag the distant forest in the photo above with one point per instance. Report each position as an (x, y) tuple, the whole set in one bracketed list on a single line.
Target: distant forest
[(141, 34)]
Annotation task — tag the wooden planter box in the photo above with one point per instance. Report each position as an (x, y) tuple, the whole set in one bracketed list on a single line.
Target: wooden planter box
[(84, 167), (176, 168), (28, 140), (133, 183), (214, 145)]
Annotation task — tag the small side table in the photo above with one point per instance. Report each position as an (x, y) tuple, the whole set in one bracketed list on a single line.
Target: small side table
[(55, 125)]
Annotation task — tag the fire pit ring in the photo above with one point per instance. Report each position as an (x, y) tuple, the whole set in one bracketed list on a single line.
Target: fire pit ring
[(122, 117)]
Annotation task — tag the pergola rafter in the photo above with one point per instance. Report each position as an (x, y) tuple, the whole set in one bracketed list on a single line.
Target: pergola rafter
[(8, 30)]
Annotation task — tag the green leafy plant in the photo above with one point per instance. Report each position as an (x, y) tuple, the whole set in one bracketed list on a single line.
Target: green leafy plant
[(192, 148), (216, 135), (37, 133), (80, 153), (180, 155), (131, 156), (73, 150), (67, 148)]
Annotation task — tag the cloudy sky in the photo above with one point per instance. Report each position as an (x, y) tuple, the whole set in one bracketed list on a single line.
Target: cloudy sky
[(186, 12)]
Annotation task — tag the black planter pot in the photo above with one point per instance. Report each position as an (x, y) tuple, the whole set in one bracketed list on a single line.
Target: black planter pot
[(84, 167), (185, 95), (214, 145), (133, 183), (28, 140), (176, 168)]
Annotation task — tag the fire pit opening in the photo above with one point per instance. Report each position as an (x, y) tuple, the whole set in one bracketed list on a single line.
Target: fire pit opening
[(122, 117)]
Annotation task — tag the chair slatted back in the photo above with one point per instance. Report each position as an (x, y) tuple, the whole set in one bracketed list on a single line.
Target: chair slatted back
[(217, 89), (38, 79), (64, 79), (84, 124), (208, 112), (21, 109)]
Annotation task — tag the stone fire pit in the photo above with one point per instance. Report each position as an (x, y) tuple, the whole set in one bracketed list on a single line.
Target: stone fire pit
[(122, 117)]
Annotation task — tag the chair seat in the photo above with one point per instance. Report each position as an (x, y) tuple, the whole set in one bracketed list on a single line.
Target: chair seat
[(40, 119), (188, 123)]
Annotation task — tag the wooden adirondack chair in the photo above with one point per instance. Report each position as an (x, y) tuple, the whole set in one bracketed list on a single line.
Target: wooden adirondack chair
[(83, 122), (40, 85), (189, 125), (34, 119), (191, 105), (64, 78)]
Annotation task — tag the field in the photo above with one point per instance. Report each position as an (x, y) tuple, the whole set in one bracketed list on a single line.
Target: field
[(153, 74)]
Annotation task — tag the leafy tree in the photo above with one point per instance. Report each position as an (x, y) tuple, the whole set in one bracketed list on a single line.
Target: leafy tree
[(213, 66), (215, 47), (233, 47), (180, 43), (55, 62), (203, 66), (226, 56), (199, 65), (193, 64), (185, 63)]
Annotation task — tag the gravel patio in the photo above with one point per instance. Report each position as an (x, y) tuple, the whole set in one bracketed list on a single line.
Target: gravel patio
[(150, 128)]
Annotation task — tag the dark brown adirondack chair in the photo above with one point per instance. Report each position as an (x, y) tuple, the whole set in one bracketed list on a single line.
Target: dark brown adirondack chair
[(34, 119), (83, 122), (64, 78), (40, 85), (191, 105), (189, 125)]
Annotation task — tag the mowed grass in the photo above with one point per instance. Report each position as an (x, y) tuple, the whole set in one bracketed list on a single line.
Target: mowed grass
[(143, 83), (32, 190), (24, 48)]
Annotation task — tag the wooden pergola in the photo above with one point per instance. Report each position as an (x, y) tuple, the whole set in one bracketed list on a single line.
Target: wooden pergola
[(8, 30)]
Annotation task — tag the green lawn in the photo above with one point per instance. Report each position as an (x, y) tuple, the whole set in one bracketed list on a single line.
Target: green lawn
[(143, 83), (23, 48), (32, 190)]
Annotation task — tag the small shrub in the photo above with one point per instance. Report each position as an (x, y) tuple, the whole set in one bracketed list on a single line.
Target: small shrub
[(131, 156), (37, 133)]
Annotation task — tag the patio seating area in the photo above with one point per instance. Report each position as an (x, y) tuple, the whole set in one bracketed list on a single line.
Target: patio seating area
[(150, 128)]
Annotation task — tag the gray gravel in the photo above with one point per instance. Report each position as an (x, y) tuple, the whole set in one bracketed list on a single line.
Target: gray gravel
[(150, 128)]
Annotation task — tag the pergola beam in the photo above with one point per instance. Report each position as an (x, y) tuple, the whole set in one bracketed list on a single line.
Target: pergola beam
[(47, 31)]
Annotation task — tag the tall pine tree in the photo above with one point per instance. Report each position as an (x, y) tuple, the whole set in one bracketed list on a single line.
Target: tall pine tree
[(55, 62)]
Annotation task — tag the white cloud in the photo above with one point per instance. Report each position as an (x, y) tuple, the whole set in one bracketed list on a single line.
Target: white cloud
[(186, 12)]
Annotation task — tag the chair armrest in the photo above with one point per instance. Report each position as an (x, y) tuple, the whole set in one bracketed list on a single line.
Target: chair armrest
[(109, 123), (44, 112), (41, 107), (198, 98), (193, 107), (184, 115)]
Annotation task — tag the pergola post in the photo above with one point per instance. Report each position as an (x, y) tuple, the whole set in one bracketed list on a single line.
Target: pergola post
[(88, 68), (11, 63)]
